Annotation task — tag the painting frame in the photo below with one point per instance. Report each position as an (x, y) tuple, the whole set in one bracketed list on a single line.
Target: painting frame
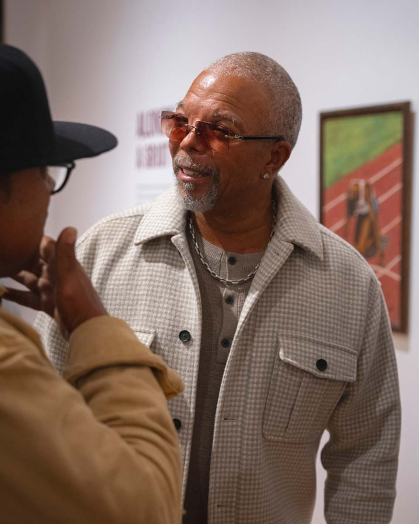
[(346, 116)]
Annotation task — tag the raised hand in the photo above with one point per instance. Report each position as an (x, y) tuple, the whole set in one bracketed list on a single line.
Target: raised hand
[(76, 300), (39, 293), (58, 285)]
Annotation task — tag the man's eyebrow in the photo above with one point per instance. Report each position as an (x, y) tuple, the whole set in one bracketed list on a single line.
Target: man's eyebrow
[(218, 115)]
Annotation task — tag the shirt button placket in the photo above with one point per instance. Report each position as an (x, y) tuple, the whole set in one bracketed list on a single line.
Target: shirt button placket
[(229, 299), (231, 266)]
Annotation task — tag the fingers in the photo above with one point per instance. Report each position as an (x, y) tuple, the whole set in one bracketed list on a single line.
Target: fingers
[(34, 281), (27, 279), (76, 298), (23, 298), (58, 261), (65, 255), (46, 250), (36, 269), (46, 295), (47, 247), (42, 300)]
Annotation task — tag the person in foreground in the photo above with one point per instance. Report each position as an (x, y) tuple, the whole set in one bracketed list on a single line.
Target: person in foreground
[(101, 447), (277, 327)]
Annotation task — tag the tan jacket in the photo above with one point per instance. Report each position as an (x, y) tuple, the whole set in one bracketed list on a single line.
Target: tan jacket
[(107, 453)]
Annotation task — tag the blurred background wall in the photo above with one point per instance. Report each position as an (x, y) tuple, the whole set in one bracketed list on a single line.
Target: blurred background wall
[(116, 63)]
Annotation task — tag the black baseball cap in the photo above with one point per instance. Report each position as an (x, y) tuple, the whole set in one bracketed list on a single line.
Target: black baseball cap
[(28, 136)]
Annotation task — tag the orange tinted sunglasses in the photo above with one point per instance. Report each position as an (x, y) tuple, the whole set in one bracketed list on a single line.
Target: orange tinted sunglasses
[(217, 138)]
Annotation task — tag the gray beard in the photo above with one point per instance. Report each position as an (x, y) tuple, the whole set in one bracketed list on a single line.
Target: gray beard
[(185, 189), (202, 204)]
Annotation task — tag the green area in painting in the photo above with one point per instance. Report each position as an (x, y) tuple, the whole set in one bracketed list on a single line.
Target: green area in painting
[(349, 142)]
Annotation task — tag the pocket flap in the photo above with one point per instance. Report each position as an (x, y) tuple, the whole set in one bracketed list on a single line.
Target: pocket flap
[(145, 336), (320, 358)]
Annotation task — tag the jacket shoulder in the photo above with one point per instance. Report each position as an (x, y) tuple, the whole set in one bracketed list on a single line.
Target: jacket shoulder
[(122, 222), (111, 237), (343, 257)]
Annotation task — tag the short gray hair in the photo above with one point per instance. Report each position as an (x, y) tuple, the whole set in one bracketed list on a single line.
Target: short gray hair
[(286, 110)]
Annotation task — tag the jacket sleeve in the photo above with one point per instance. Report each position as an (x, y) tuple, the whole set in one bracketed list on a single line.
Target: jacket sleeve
[(107, 452), (361, 457)]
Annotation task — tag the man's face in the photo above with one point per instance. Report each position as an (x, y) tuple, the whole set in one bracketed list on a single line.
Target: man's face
[(207, 179), (23, 212)]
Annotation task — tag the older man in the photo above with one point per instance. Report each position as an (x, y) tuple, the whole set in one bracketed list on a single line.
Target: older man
[(277, 326)]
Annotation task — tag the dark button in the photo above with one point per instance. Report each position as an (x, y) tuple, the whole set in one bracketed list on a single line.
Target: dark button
[(225, 342), (177, 423), (185, 336), (232, 261), (230, 300), (321, 365)]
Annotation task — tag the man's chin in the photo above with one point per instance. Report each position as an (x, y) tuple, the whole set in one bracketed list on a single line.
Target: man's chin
[(192, 200), (190, 191)]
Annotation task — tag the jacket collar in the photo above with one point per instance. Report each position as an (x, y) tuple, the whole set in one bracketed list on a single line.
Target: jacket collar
[(295, 224), (165, 216)]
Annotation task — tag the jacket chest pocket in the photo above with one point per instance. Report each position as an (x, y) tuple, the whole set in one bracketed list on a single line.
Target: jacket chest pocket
[(308, 379)]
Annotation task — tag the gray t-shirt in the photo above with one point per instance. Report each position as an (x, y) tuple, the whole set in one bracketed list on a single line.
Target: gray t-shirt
[(221, 308)]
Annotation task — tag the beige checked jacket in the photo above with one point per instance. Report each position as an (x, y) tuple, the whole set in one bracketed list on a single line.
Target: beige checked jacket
[(312, 352)]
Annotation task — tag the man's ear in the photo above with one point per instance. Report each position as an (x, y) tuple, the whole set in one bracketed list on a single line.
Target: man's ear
[(280, 153)]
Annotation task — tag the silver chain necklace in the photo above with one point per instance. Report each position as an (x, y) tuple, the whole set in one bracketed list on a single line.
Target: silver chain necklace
[(201, 256)]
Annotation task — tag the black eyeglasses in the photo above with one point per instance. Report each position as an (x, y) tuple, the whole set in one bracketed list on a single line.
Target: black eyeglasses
[(58, 176), (175, 126)]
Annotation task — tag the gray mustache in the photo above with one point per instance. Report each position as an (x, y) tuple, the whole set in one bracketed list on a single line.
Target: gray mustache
[(187, 162)]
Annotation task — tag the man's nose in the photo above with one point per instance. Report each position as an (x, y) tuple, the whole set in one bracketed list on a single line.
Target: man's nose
[(194, 140)]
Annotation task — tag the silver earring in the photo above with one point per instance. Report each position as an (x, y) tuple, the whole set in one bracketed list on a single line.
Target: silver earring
[(266, 175)]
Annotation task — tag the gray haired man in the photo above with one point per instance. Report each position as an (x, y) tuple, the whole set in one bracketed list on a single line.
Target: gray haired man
[(277, 326)]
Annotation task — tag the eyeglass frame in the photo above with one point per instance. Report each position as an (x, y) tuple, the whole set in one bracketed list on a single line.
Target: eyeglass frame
[(231, 136), (70, 166)]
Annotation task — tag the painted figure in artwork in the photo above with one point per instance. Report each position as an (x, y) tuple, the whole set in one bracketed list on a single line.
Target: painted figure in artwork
[(362, 205)]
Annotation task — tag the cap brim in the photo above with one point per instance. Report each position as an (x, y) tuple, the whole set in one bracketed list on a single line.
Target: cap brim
[(75, 141)]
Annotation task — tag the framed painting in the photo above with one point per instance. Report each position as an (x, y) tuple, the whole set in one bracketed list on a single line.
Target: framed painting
[(365, 189)]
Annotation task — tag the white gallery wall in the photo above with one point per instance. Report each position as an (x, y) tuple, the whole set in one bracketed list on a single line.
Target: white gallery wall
[(115, 63)]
